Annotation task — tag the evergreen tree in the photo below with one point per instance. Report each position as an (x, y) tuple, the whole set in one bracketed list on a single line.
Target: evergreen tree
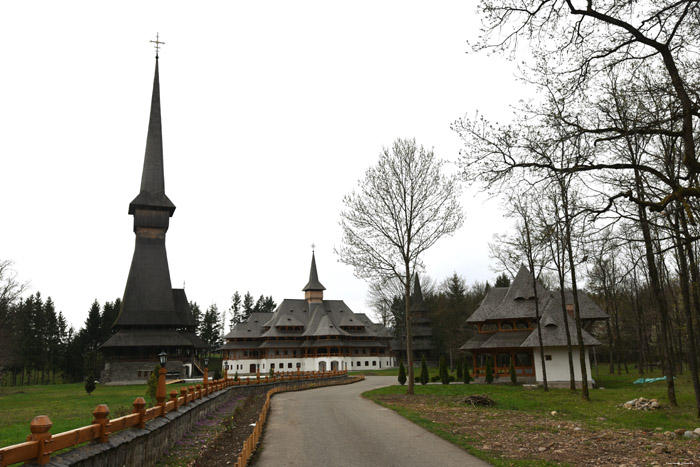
[(269, 304), (489, 370), (235, 309), (247, 305), (444, 375), (402, 373), (196, 314), (90, 383), (460, 367), (513, 376), (210, 327), (424, 373), (502, 281), (467, 376)]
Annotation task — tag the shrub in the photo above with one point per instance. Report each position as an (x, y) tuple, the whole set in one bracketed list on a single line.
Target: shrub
[(90, 383), (435, 378), (424, 373), (444, 375), (489, 371), (217, 374), (467, 376), (402, 373), (513, 376), (152, 385), (235, 377), (460, 366), (452, 378)]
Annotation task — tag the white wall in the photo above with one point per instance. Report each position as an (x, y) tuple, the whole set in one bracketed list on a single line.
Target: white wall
[(309, 364), (558, 366)]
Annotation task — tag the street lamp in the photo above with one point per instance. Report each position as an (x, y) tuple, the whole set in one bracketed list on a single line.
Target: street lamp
[(160, 391)]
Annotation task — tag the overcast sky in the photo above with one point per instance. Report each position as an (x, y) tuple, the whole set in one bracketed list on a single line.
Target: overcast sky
[(271, 112)]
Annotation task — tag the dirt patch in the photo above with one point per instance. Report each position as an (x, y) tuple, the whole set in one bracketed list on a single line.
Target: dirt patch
[(508, 434), (217, 439)]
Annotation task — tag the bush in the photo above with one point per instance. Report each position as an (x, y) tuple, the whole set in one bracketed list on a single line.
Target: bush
[(489, 371), (424, 373), (513, 376), (153, 385), (444, 375), (235, 376), (460, 366), (402, 373), (90, 383), (467, 376), (435, 378)]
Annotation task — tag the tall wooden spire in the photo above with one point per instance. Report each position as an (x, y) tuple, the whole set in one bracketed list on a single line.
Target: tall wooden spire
[(148, 297), (313, 291)]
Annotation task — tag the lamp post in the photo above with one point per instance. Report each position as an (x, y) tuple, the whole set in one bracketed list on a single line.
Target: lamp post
[(206, 374), (160, 391)]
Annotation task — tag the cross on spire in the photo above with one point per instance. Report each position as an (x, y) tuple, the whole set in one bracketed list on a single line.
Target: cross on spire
[(157, 44)]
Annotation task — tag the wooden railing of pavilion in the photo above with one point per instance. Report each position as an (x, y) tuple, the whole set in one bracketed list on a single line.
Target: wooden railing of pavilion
[(41, 444)]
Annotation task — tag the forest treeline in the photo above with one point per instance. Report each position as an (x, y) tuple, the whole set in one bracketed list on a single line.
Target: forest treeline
[(39, 346)]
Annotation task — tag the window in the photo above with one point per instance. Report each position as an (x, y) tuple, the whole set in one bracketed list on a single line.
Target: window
[(522, 359), (366, 363), (489, 327), (298, 365), (289, 365), (506, 326), (272, 366), (548, 357), (503, 360), (281, 365), (521, 325), (374, 363)]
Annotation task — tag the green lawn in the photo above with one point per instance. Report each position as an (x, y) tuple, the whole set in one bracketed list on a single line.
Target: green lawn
[(67, 405), (618, 389)]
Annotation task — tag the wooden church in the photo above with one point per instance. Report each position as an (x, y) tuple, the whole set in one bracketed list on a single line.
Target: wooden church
[(506, 323), (154, 317)]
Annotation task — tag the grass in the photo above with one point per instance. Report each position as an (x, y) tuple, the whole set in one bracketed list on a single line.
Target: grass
[(67, 405), (602, 412), (618, 389)]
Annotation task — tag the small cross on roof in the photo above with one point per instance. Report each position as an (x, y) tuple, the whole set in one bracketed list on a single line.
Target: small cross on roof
[(157, 44)]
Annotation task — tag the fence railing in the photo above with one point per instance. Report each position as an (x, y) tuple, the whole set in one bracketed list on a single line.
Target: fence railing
[(252, 442), (41, 443)]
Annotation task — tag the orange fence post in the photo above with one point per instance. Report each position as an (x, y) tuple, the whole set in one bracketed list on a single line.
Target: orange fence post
[(173, 397), (140, 408), (39, 427), (198, 391), (192, 393), (183, 394), (100, 413)]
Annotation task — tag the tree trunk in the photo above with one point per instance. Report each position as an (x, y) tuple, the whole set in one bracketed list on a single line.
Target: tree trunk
[(409, 335)]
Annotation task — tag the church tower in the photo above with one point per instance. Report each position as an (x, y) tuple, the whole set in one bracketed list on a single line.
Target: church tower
[(154, 317), (313, 291)]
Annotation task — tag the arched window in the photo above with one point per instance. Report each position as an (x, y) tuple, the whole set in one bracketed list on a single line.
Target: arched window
[(521, 325), (489, 327), (506, 326), (272, 366)]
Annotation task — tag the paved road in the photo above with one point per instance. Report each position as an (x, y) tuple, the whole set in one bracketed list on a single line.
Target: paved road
[(334, 426)]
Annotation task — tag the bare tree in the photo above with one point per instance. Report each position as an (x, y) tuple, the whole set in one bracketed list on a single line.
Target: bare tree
[(401, 208)]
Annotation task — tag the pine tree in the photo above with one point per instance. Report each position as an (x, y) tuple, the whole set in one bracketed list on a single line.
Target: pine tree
[(235, 309), (402, 373), (467, 376), (210, 327), (247, 306), (489, 370), (424, 373), (444, 375), (513, 376), (460, 366)]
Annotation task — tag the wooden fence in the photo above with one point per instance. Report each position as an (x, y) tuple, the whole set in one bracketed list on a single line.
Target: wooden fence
[(252, 442), (41, 444)]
